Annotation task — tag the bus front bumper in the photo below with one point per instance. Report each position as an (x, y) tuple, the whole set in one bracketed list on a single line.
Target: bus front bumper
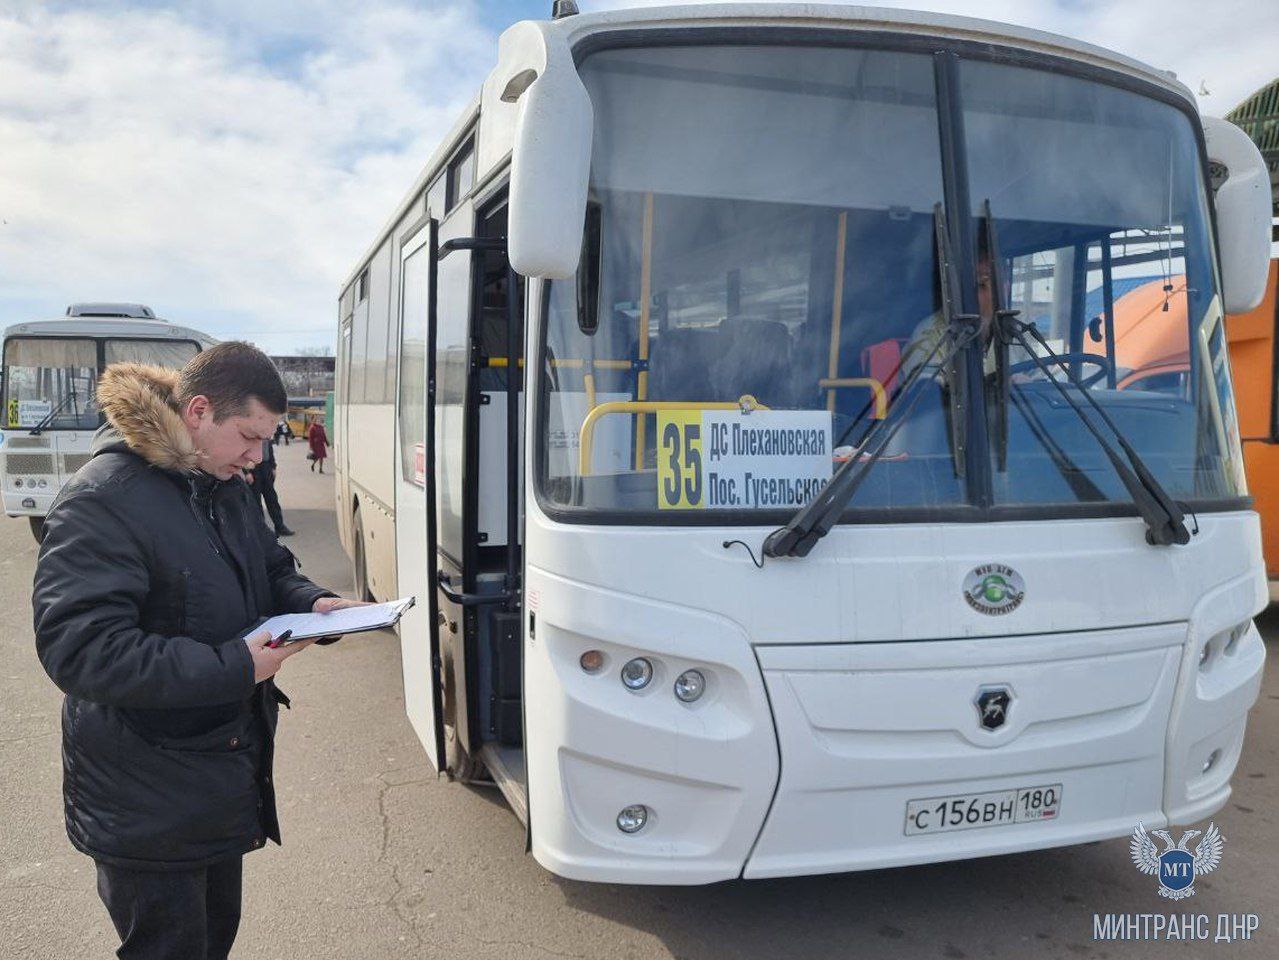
[(807, 759)]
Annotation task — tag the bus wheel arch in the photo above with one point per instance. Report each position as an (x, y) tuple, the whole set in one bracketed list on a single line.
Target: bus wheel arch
[(359, 556)]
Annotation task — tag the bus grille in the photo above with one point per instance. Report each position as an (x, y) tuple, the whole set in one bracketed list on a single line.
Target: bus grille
[(71, 462), (29, 463), (28, 443)]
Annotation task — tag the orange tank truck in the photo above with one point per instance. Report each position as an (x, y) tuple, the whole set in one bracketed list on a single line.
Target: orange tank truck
[(1251, 339)]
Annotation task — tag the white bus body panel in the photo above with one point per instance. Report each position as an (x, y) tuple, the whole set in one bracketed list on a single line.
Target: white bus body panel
[(52, 456), (370, 463), (806, 656)]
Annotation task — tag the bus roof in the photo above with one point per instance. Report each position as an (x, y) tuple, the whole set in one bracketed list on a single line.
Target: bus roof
[(108, 327), (526, 45)]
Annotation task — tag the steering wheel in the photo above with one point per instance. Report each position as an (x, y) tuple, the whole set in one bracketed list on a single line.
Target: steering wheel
[(1063, 359)]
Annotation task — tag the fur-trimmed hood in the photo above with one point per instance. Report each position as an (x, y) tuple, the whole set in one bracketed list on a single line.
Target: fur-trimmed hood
[(142, 413)]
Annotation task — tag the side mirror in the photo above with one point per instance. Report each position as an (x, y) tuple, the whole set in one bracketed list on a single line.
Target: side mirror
[(550, 171), (1243, 215)]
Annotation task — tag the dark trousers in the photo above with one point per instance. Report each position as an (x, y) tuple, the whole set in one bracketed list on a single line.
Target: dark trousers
[(180, 915), (264, 486)]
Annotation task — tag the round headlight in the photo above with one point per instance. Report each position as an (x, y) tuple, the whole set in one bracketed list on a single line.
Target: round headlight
[(636, 674), (43, 484), (632, 818), (591, 661), (690, 685), (17, 482)]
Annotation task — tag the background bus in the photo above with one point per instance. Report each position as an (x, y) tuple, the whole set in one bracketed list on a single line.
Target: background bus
[(48, 407)]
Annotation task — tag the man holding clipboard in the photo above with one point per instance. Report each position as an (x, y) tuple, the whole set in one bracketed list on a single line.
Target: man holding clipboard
[(155, 563)]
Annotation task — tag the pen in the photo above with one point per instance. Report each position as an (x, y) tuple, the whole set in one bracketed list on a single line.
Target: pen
[(279, 641)]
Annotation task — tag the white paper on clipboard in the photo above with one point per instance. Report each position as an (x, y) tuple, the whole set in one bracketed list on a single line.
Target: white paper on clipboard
[(375, 616)]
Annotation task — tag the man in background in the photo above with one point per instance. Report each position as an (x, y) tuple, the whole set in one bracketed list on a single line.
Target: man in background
[(262, 479)]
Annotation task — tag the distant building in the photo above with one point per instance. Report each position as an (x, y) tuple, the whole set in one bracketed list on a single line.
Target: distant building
[(1258, 116), (306, 376)]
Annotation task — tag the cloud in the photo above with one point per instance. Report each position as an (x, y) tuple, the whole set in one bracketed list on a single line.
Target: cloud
[(224, 176), (228, 162)]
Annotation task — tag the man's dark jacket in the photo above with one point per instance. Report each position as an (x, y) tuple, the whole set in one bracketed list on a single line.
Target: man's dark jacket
[(150, 574)]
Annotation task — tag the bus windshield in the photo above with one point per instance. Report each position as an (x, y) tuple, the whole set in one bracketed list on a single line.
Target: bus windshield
[(764, 279), (51, 381)]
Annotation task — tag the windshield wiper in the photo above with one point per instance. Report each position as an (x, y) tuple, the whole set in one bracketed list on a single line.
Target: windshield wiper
[(1165, 521), (814, 520), (49, 417)]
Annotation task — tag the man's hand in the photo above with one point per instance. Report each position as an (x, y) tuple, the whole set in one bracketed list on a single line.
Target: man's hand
[(267, 660), (329, 604), (326, 604)]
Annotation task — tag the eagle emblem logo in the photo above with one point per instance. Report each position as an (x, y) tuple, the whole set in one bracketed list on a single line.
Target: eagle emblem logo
[(1176, 867)]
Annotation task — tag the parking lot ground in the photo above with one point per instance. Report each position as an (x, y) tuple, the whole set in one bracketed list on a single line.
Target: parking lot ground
[(383, 860)]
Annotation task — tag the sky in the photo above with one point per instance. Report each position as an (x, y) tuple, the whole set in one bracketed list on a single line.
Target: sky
[(227, 162)]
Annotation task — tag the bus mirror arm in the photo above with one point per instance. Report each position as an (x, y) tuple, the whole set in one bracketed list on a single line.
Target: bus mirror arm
[(497, 244)]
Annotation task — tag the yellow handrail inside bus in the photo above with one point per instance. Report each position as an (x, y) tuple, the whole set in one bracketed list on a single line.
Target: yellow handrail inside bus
[(587, 434), (837, 306), (870, 383), (570, 363), (646, 296)]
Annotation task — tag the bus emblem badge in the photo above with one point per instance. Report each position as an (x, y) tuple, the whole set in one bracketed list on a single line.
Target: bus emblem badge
[(992, 706), (994, 589)]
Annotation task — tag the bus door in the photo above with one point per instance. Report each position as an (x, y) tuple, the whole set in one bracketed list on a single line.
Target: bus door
[(476, 454), (415, 522)]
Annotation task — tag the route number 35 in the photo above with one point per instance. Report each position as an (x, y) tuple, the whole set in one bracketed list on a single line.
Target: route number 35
[(679, 460)]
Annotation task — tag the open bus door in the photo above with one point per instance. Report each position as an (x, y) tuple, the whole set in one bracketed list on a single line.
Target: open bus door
[(415, 543), (460, 645), (472, 462)]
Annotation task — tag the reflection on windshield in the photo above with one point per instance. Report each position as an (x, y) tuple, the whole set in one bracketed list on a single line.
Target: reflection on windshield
[(1102, 224)]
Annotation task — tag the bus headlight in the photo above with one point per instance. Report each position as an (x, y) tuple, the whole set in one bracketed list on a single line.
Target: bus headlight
[(636, 675), (689, 686), (17, 482)]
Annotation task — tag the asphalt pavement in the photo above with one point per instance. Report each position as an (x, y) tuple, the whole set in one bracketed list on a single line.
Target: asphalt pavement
[(381, 859)]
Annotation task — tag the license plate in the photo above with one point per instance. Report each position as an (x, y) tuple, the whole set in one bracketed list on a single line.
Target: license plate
[(967, 811)]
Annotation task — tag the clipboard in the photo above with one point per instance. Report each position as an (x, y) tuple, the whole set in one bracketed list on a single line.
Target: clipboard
[(345, 620)]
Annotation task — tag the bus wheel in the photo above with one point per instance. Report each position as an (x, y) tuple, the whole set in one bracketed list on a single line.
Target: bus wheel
[(458, 764), (362, 591), (37, 528)]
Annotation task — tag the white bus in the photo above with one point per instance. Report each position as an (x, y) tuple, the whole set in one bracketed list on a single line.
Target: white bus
[(827, 538), (48, 410)]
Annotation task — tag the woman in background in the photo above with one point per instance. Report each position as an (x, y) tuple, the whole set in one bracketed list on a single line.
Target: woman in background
[(319, 441)]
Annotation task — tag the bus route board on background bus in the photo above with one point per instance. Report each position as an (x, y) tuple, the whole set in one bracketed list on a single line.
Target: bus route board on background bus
[(731, 459)]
